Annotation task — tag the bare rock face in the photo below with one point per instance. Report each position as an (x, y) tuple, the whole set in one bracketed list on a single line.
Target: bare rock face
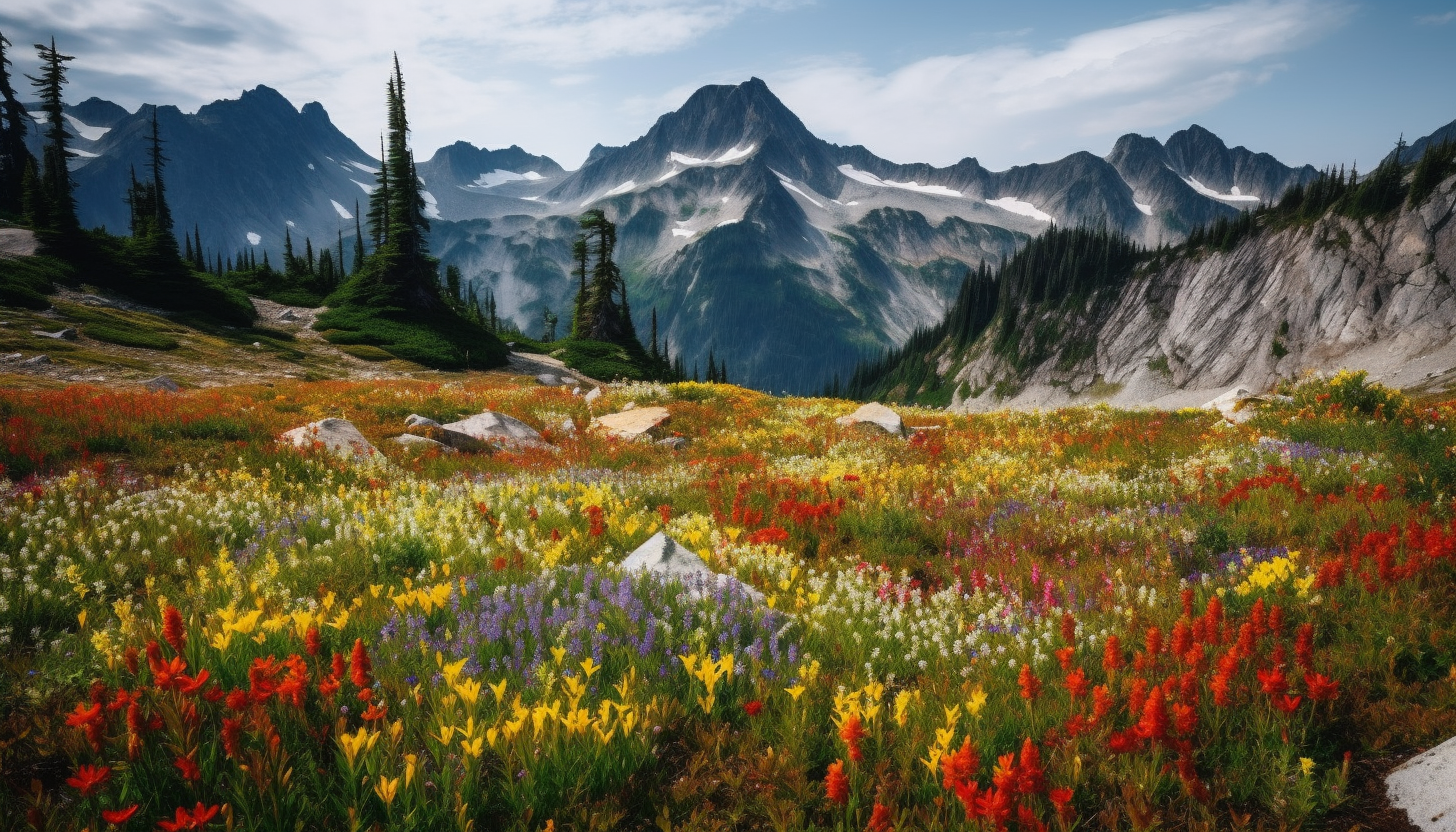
[(161, 384), (669, 560), (630, 424), (410, 440), (338, 436), (876, 414), (1339, 294), (496, 427)]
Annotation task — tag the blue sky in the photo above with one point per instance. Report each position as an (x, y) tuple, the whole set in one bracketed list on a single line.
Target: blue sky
[(1317, 81)]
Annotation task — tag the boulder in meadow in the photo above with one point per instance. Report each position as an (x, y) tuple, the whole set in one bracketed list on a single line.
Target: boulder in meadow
[(1232, 404), (410, 440), (632, 423), (593, 395), (1422, 787), (161, 384), (338, 436), (876, 414), (666, 559), (496, 427)]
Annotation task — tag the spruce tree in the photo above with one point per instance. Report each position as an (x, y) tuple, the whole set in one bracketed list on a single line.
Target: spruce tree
[(162, 215), (57, 190), (14, 156)]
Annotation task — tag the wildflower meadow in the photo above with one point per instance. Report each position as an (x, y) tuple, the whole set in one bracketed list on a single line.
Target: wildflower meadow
[(1084, 619)]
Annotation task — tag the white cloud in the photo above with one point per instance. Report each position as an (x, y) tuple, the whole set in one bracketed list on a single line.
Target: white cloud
[(1436, 19), (1005, 103)]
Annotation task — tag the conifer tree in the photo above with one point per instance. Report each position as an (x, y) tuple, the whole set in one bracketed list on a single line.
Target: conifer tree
[(358, 242), (55, 179), (14, 156), (162, 215)]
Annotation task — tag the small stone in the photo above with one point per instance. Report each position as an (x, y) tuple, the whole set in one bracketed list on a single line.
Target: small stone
[(161, 384), (288, 315), (576, 391), (36, 361), (14, 356), (548, 380), (257, 345), (668, 560), (568, 426), (415, 420), (596, 393), (676, 443), (1231, 404), (630, 406)]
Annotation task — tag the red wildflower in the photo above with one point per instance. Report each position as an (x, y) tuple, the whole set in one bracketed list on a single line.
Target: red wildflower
[(130, 657), (960, 766), (1320, 687), (374, 712), (263, 678), (852, 731), (1122, 742), (1004, 775), (836, 784), (1185, 719), (328, 686), (1222, 693), (117, 817), (1077, 684), (1069, 629), (967, 794), (1154, 722), (1027, 821), (1030, 685), (296, 683), (89, 779), (237, 700), (1276, 620), (1076, 726), (1272, 681), (83, 714), (197, 818), (359, 665), (1030, 776), (173, 630), (1182, 638), (169, 674), (189, 769), (154, 655), (1304, 646), (312, 641), (1137, 695), (753, 708), (339, 669), (1287, 704), (1064, 657), (881, 819), (995, 805), (1153, 641), (232, 736), (1101, 703), (1061, 798), (192, 685), (1112, 655), (1187, 598)]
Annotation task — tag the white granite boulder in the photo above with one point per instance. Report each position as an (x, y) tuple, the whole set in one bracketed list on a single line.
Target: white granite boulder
[(632, 423), (410, 440), (338, 436), (668, 560), (1231, 404), (1422, 786), (496, 427), (876, 414), (161, 384), (593, 395)]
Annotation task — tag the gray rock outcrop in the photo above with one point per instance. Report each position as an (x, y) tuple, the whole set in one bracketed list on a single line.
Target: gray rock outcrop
[(338, 436), (1422, 787), (410, 440), (496, 427), (876, 414), (669, 560), (161, 384)]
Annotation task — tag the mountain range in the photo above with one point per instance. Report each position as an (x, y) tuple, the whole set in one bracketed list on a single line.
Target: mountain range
[(789, 256)]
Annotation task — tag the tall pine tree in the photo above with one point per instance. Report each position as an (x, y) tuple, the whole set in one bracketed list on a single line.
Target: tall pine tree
[(57, 190), (14, 156)]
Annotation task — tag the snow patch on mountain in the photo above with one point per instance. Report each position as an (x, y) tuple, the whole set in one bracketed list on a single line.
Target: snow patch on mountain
[(870, 179), (1233, 196), (790, 185), (365, 167), (82, 154), (432, 208), (1017, 206), (1145, 208), (682, 232), (368, 189), (735, 154), (500, 177), (254, 238), (343, 212), (86, 131)]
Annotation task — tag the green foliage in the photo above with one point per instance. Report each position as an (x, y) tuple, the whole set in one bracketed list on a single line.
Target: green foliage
[(1435, 165), (441, 340), (605, 360), (1351, 392), (129, 337), (25, 281), (366, 352)]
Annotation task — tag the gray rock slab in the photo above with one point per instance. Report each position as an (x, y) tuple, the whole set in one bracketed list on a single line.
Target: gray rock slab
[(36, 361), (593, 395), (548, 380), (338, 436), (669, 560), (415, 420), (1230, 404), (67, 334), (489, 426), (14, 356), (1425, 787), (410, 440), (161, 384), (876, 414), (632, 423)]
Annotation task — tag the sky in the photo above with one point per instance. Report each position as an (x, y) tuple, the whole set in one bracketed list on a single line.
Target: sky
[(1310, 81)]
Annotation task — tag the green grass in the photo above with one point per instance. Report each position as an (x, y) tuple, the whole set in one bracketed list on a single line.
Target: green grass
[(366, 351), (25, 281), (440, 340), (128, 337)]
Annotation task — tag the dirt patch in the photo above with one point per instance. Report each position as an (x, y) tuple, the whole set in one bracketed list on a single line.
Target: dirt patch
[(18, 242)]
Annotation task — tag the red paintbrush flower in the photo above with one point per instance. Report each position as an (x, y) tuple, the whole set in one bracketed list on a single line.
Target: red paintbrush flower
[(753, 708), (1137, 696), (192, 685), (1304, 646), (328, 686), (1222, 690), (1027, 821), (1030, 776), (340, 669), (1076, 726), (995, 805), (881, 819), (190, 771), (168, 674), (83, 714), (1182, 638), (1069, 629), (1185, 719), (173, 630), (359, 665), (1077, 684), (1272, 681), (852, 731), (1101, 703), (89, 779), (1112, 655), (1064, 657), (232, 736), (960, 766), (117, 817), (1153, 641), (1320, 687), (312, 641), (1122, 742), (1030, 685), (967, 794), (374, 712), (836, 784), (1003, 777), (1061, 798), (197, 818), (237, 699), (1287, 704)]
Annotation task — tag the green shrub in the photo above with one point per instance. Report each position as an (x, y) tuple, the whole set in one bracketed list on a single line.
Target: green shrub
[(133, 337), (442, 340), (1352, 392), (366, 352), (25, 281)]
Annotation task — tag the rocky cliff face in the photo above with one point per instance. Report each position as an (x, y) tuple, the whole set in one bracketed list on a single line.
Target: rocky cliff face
[(1368, 295)]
